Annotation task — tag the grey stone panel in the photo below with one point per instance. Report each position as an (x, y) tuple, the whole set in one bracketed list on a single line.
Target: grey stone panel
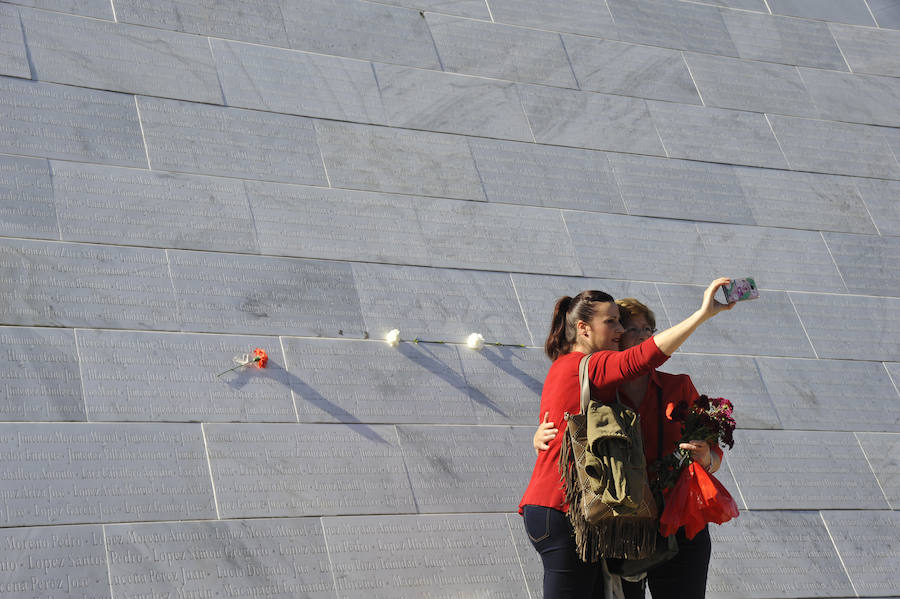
[(71, 285), (880, 199), (119, 57), (371, 382), (77, 472), (580, 16), (738, 332), (57, 121), (680, 189), (869, 51), (238, 558), (505, 383), (409, 556), (26, 199), (851, 326), (101, 9), (13, 55), (538, 295), (357, 29), (736, 378), (832, 394), (750, 85), (433, 101), (883, 453), (539, 175), (677, 25), (467, 469), (476, 235), (501, 51), (413, 162), (231, 142), (336, 224), (775, 554), (57, 562), (803, 470), (837, 148), (756, 5), (854, 12), (293, 82), (886, 12), (870, 265), (476, 9), (630, 69), (783, 39), (867, 544), (716, 135), (892, 135), (125, 206), (855, 98), (532, 567), (439, 304), (39, 375), (804, 200), (130, 376), (258, 21), (263, 470), (590, 120), (230, 293)]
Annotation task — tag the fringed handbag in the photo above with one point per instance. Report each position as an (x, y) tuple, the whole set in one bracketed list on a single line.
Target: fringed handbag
[(612, 512)]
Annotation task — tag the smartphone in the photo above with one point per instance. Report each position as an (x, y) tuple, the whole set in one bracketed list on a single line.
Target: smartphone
[(740, 289)]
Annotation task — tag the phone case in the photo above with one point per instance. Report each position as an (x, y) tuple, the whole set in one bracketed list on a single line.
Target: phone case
[(741, 289)]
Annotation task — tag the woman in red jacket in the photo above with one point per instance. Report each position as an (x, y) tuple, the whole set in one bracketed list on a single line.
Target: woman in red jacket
[(587, 324)]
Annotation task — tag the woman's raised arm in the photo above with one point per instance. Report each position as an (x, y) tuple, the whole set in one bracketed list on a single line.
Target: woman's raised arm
[(672, 338)]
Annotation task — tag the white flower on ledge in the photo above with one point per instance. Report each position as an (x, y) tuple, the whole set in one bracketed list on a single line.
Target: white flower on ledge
[(475, 341), (393, 338)]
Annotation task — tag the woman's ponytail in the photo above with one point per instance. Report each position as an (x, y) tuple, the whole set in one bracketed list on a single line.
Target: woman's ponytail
[(567, 312), (556, 343)]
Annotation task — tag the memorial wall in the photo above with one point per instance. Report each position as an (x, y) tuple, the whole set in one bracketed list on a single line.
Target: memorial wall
[(182, 181)]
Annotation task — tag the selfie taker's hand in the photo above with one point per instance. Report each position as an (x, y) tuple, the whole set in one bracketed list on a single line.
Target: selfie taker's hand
[(545, 433), (711, 306)]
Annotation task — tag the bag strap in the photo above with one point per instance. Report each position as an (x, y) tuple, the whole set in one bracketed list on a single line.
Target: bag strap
[(585, 381)]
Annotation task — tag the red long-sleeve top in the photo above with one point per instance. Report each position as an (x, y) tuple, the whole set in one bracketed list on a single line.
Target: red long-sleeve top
[(562, 393)]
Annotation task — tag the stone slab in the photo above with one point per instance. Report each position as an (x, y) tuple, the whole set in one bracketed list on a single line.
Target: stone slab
[(539, 175), (504, 383), (232, 142), (26, 199), (837, 148), (57, 562), (130, 376), (836, 329), (258, 21), (230, 293), (500, 51), (681, 189), (613, 67), (716, 135), (387, 557), (136, 207), (886, 12), (867, 50), (100, 9), (755, 5), (869, 99), (783, 39), (263, 470), (114, 56), (40, 375), (336, 224), (750, 85), (237, 558), (775, 554), (467, 469), (71, 285), (832, 394), (579, 16), (357, 29), (867, 544), (738, 332), (13, 54), (678, 25), (869, 264), (476, 9), (400, 161), (883, 452), (804, 200), (532, 567), (880, 200), (58, 121), (855, 12), (72, 473), (292, 82), (433, 101), (590, 120), (800, 470)]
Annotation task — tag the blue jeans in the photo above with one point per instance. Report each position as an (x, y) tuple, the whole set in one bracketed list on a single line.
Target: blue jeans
[(565, 575)]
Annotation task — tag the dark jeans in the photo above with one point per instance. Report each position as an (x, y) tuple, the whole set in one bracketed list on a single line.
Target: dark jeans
[(565, 575), (683, 576)]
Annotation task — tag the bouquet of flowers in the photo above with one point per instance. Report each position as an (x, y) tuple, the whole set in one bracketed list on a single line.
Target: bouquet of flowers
[(693, 497)]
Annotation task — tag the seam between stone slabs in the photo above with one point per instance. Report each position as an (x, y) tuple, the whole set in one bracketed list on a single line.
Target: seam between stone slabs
[(512, 538), (490, 12), (412, 490), (32, 72), (869, 463), (893, 382), (838, 552), (841, 50), (175, 303), (866, 206), (838, 268), (480, 179), (524, 112), (871, 14), (734, 477), (112, 5), (212, 55), (106, 551), (768, 8), (80, 375), (53, 199), (778, 141), (328, 553), (803, 326), (284, 359), (694, 81), (522, 308), (212, 482), (143, 136)]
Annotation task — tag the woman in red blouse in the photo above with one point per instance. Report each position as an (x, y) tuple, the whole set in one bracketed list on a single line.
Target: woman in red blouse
[(588, 324)]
